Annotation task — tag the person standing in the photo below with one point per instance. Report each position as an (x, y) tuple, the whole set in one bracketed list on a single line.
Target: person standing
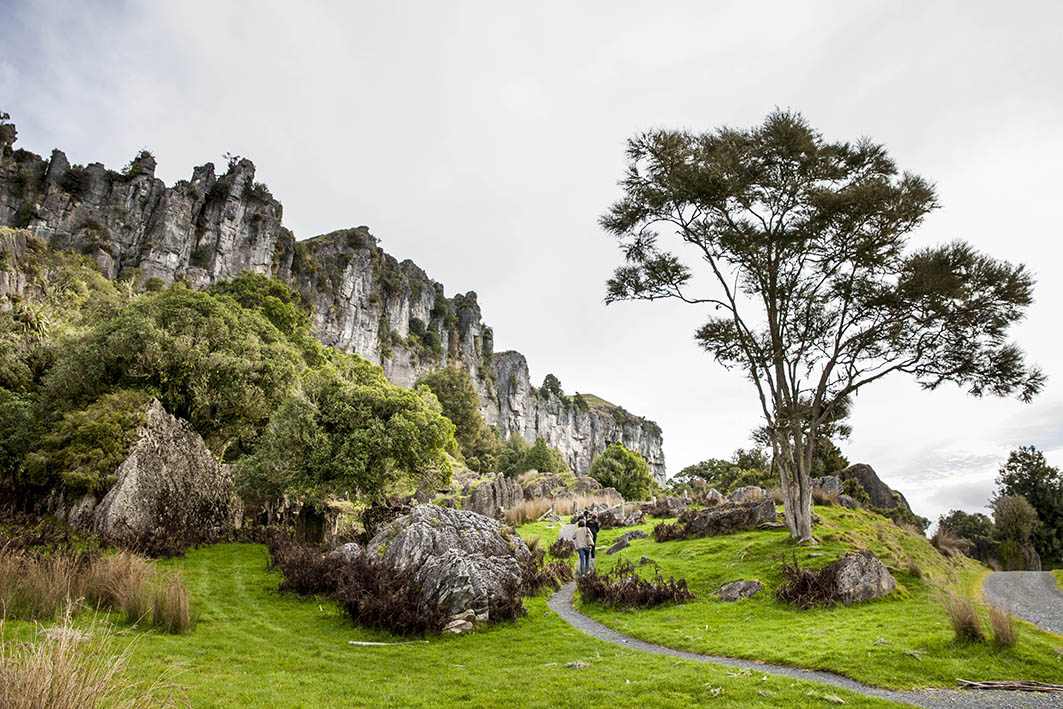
[(594, 526), (584, 543)]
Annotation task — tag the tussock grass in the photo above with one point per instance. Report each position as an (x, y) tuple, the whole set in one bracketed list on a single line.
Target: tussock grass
[(1005, 632), (963, 616), (822, 497), (171, 610), (530, 510), (66, 666), (946, 542), (35, 588)]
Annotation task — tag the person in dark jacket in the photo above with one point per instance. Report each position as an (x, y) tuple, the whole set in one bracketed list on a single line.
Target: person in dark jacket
[(594, 526)]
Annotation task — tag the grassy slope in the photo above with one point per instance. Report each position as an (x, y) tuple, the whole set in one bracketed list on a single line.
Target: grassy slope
[(255, 647), (902, 641), (1059, 576)]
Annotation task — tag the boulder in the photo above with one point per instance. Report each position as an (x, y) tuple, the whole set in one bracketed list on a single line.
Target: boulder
[(848, 502), (878, 492), (737, 590), (494, 496), (828, 485), (666, 507), (860, 576), (624, 540), (462, 560), (729, 517), (713, 497), (346, 552), (614, 517), (168, 486), (750, 493)]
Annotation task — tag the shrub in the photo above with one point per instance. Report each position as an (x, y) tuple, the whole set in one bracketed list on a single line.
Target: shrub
[(967, 526), (1005, 632), (624, 588), (623, 469), (805, 588), (562, 549), (855, 490), (536, 573), (306, 570), (76, 181), (963, 617)]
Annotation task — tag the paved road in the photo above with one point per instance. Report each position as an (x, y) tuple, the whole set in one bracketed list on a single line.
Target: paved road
[(1033, 596), (561, 603)]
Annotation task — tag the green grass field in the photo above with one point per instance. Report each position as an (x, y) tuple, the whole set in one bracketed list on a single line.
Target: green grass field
[(254, 647), (903, 641)]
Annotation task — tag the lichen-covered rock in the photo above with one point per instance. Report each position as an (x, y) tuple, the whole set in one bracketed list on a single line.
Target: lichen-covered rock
[(168, 485), (666, 507), (750, 493), (737, 590), (828, 484), (713, 497), (860, 576), (727, 518), (462, 559), (848, 502), (493, 496), (346, 552)]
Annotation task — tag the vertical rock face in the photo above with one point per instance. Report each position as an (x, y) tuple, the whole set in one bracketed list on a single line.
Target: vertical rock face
[(364, 301)]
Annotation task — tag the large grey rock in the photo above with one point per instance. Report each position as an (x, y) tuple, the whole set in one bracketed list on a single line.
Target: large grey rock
[(461, 559), (1003, 556), (750, 493), (169, 484), (878, 492), (493, 496), (726, 518), (828, 484), (666, 507), (862, 577), (714, 497), (738, 590)]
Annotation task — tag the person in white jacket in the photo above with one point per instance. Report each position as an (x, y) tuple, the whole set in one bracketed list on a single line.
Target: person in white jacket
[(584, 543)]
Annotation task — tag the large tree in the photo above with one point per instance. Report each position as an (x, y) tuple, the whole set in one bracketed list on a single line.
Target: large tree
[(805, 269), (1028, 474)]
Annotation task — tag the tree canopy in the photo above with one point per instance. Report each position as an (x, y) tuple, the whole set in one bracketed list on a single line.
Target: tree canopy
[(623, 469), (480, 444), (810, 290), (345, 428), (1027, 473)]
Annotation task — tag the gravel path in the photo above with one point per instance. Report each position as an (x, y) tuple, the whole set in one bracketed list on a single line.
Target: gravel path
[(561, 603), (1033, 596)]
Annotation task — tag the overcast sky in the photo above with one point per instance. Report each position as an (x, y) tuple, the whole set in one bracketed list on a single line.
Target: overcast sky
[(482, 140)]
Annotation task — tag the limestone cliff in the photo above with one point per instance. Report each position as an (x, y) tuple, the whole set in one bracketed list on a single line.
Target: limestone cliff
[(363, 300)]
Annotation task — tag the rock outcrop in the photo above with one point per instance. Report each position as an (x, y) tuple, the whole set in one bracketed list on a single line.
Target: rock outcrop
[(462, 560), (213, 227), (880, 494), (492, 497), (828, 485), (1003, 556), (168, 485), (726, 518), (860, 576)]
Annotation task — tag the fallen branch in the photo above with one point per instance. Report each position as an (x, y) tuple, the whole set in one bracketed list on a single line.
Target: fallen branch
[(1016, 686), (366, 642)]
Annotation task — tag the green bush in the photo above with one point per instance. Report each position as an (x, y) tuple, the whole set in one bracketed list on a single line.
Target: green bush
[(623, 469), (966, 526), (855, 490), (1014, 518)]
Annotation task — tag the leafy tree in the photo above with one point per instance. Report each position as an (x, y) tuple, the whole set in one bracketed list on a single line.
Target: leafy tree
[(967, 526), (1014, 518), (1027, 473), (19, 433), (552, 385), (746, 467), (222, 367), (814, 294), (539, 458), (480, 444), (87, 446), (623, 469), (345, 428), (511, 458)]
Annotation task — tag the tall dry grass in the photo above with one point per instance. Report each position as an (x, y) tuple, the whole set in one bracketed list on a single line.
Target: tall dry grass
[(66, 666), (947, 543), (531, 510), (38, 588), (1005, 632), (963, 616)]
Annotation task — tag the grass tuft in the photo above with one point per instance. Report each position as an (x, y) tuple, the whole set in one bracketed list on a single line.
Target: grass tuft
[(624, 588), (1005, 632), (963, 616)]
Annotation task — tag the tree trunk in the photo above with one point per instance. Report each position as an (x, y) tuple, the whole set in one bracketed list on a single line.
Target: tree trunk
[(797, 493)]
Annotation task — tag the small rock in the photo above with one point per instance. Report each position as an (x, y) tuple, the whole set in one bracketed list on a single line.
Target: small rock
[(577, 665), (347, 552), (646, 560), (737, 590), (621, 543)]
